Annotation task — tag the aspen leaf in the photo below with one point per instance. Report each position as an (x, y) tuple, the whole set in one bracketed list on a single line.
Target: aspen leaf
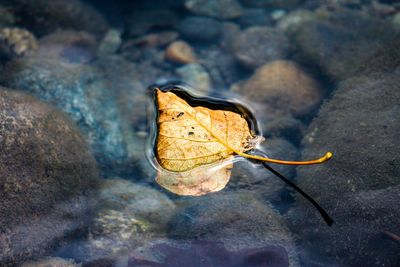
[(195, 145)]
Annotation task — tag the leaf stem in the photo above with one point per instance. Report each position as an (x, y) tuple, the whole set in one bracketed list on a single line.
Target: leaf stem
[(323, 159)]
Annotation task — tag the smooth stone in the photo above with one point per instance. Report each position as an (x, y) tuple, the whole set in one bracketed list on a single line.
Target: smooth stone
[(51, 262), (282, 88), (7, 18), (180, 52), (258, 45), (43, 17), (202, 29), (285, 127), (253, 17), (196, 76), (219, 9), (238, 220), (83, 92), (141, 21), (111, 42), (286, 4), (128, 215), (339, 43), (47, 178), (359, 187)]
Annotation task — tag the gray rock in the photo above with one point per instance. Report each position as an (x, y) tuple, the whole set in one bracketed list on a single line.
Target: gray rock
[(50, 262), (127, 215), (340, 43), (256, 46), (359, 187), (253, 17), (7, 18), (285, 127), (111, 42), (222, 67), (220, 9), (196, 76), (43, 17), (81, 91), (47, 176), (229, 32), (142, 20), (69, 46), (139, 200), (236, 219), (271, 3), (200, 29)]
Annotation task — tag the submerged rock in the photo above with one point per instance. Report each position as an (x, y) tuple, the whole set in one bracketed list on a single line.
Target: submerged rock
[(196, 76), (200, 29), (51, 262), (282, 87), (143, 20), (128, 215), (180, 52), (95, 96), (359, 187), (254, 17), (272, 3), (256, 46), (44, 17), (339, 43), (47, 176), (7, 18), (238, 220), (110, 42), (220, 9), (203, 253)]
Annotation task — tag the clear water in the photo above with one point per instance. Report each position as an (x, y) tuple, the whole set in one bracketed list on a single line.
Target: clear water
[(78, 164)]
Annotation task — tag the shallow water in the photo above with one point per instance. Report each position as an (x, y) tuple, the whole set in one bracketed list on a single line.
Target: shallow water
[(78, 130)]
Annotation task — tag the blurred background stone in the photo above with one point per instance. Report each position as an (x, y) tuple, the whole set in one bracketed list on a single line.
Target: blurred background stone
[(47, 178)]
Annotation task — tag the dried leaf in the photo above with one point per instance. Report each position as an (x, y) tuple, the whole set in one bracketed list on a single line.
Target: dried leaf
[(193, 136), (190, 139)]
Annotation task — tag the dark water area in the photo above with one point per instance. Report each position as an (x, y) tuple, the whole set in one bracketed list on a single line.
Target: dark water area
[(78, 132)]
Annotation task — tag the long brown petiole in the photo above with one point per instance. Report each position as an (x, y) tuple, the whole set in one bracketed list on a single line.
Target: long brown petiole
[(323, 159)]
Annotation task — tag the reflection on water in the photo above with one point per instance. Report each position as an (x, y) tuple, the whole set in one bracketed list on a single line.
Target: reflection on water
[(77, 124)]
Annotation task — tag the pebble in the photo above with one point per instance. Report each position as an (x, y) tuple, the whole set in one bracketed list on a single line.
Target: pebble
[(219, 9), (196, 76), (43, 17), (180, 52), (111, 42), (200, 29), (283, 88), (256, 46)]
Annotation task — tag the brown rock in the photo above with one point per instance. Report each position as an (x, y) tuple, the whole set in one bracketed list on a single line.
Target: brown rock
[(180, 52), (47, 175), (283, 88)]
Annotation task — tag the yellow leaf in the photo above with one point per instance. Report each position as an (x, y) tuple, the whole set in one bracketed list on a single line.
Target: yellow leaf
[(190, 139), (193, 136)]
